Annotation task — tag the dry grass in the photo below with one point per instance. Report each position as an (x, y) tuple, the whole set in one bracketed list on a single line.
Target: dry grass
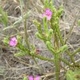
[(12, 68)]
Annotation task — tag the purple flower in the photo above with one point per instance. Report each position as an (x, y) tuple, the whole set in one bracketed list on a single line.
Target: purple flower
[(34, 78), (47, 14), (13, 42)]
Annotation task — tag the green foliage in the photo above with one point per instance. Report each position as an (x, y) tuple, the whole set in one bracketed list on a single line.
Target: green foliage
[(39, 35), (21, 54), (79, 22), (18, 21), (73, 75), (46, 34), (38, 26), (49, 35), (62, 49), (22, 47), (25, 78), (70, 75), (50, 47), (46, 3), (49, 32), (6, 40), (3, 17)]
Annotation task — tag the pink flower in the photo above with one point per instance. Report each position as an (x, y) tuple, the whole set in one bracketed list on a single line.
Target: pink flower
[(34, 78), (13, 42), (47, 14)]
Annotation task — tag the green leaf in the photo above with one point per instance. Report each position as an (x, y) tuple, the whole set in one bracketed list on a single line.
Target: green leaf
[(21, 47), (26, 14), (77, 73), (79, 22), (18, 21), (50, 33), (59, 12), (21, 54), (38, 26), (52, 7), (46, 3), (62, 49), (50, 47), (25, 78), (6, 40), (19, 37), (70, 75), (39, 35), (45, 24), (3, 17), (76, 51)]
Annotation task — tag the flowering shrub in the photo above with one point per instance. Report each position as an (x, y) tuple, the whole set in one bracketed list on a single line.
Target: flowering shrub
[(48, 30)]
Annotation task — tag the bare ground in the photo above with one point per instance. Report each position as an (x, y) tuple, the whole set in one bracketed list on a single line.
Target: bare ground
[(12, 68)]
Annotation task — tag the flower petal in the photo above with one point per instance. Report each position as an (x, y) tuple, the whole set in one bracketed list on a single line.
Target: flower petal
[(37, 78), (47, 14), (13, 42), (31, 78)]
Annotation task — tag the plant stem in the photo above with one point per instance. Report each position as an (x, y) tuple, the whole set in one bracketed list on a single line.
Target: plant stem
[(25, 26), (66, 62), (71, 57), (57, 65), (62, 42), (59, 35), (43, 58), (26, 35), (75, 52), (56, 55)]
